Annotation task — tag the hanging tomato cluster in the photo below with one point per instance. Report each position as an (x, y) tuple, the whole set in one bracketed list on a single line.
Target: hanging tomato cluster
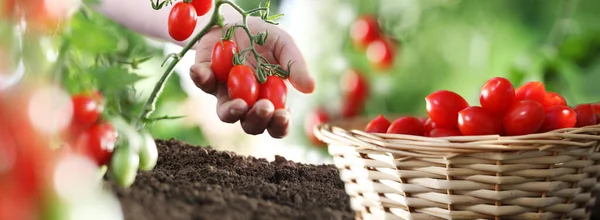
[(183, 17), (503, 110), (367, 35)]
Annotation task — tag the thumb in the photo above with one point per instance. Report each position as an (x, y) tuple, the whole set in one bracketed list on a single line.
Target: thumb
[(286, 51)]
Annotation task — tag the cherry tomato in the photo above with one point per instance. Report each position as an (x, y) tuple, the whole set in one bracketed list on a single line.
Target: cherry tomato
[(221, 60), (476, 120), (182, 21), (534, 91), (554, 99), (525, 117), (423, 119), (86, 109), (407, 125), (557, 117), (378, 125), (380, 53), (586, 115), (242, 84), (312, 120), (98, 143), (444, 132), (597, 110), (355, 88), (364, 31), (429, 125), (275, 90), (443, 107), (202, 6), (495, 95)]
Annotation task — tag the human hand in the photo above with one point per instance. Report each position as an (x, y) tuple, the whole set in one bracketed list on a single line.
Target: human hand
[(279, 48)]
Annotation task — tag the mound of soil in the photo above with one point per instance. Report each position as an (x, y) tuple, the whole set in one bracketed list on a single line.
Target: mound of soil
[(191, 182)]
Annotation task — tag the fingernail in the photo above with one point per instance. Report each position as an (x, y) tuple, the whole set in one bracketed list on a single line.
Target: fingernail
[(262, 112), (284, 117), (236, 112)]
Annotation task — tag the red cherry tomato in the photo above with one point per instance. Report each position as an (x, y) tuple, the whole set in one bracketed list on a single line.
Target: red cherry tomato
[(429, 125), (525, 117), (554, 99), (586, 115), (312, 120), (378, 125), (221, 59), (242, 84), (202, 6), (495, 95), (275, 90), (364, 31), (597, 111), (86, 110), (557, 117), (407, 125), (98, 143), (476, 120), (182, 21), (443, 107), (423, 119), (380, 53), (444, 132), (355, 88), (534, 91)]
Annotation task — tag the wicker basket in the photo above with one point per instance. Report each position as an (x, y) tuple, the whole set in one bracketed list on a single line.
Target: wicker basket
[(540, 176)]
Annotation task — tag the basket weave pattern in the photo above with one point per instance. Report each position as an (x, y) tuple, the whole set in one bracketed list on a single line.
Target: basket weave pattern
[(540, 176)]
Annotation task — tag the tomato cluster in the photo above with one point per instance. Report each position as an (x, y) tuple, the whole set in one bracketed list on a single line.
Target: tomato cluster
[(184, 17), (503, 110), (241, 79), (366, 33)]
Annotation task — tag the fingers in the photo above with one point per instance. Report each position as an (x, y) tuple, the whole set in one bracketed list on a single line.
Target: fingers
[(278, 127), (257, 119), (285, 51), (203, 77)]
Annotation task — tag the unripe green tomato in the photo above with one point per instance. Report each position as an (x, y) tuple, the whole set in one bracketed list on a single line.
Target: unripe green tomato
[(124, 165), (148, 152)]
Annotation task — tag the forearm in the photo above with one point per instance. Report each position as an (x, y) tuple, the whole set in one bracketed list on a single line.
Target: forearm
[(139, 16)]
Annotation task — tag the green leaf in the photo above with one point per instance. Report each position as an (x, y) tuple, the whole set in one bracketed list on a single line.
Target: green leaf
[(114, 78), (91, 36), (273, 17)]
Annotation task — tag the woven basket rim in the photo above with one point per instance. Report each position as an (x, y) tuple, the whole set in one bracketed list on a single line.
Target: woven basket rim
[(336, 133)]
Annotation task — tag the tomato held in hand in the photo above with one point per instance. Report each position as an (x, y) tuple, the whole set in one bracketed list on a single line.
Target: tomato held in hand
[(221, 59), (86, 109), (202, 6), (443, 107), (554, 99), (557, 117), (476, 120), (355, 88), (381, 53), (242, 84), (586, 115), (497, 95), (312, 120), (407, 125), (182, 21), (364, 31), (444, 132), (275, 90), (525, 117), (98, 143), (378, 125), (534, 91)]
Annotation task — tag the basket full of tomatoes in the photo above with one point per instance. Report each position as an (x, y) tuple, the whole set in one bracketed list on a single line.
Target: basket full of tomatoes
[(523, 153)]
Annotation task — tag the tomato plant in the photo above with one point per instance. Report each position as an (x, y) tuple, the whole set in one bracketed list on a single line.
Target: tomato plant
[(444, 132), (98, 143), (534, 91), (554, 99), (242, 84), (355, 92), (202, 6), (381, 53), (524, 117), (495, 95), (443, 107), (586, 115), (221, 60), (364, 31), (86, 109), (182, 21), (319, 116), (476, 120), (378, 125), (275, 90), (557, 117), (407, 125)]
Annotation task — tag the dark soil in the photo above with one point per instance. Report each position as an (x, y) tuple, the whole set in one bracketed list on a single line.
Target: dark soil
[(192, 182)]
